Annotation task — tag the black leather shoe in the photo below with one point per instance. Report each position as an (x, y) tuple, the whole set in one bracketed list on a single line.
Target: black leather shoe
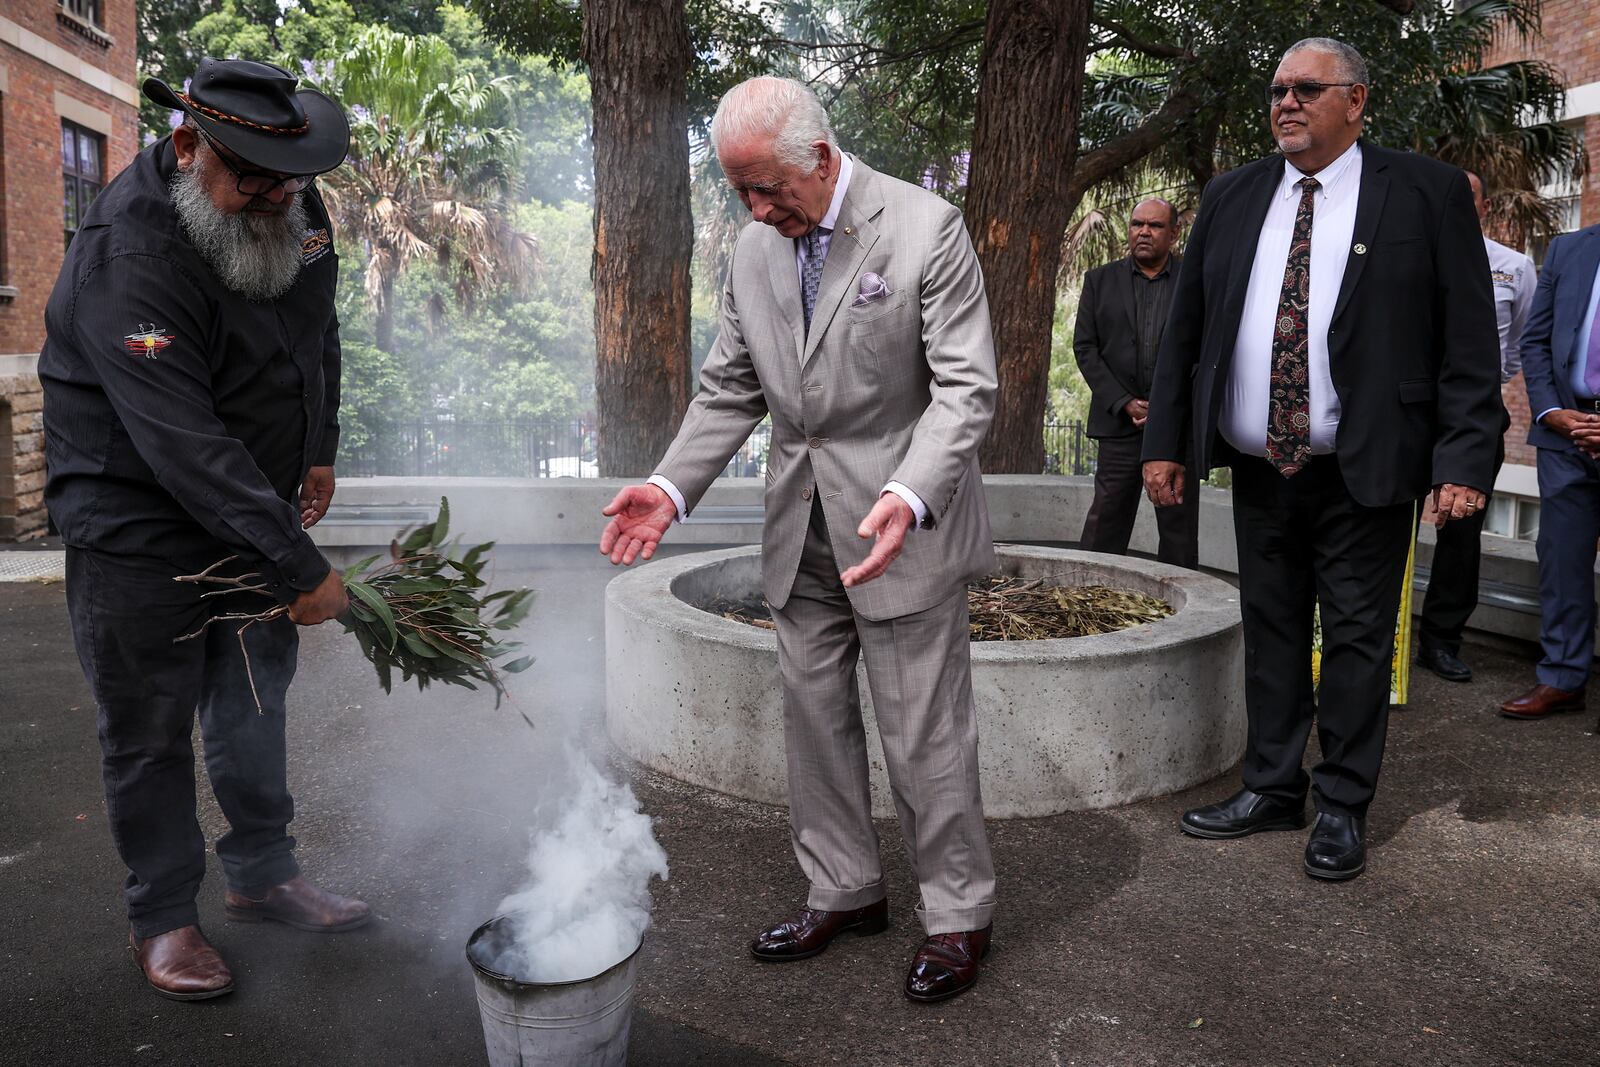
[(809, 931), (1243, 814), (1444, 663), (1337, 849)]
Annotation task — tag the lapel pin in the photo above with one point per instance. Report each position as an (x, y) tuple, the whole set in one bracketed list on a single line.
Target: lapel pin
[(1360, 250), (847, 231)]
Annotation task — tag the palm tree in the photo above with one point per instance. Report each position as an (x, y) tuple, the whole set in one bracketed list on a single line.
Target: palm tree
[(430, 171)]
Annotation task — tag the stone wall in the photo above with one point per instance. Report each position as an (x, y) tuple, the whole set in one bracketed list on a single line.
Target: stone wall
[(22, 514)]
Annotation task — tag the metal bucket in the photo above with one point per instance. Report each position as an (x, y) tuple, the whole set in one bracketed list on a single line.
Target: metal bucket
[(551, 1024)]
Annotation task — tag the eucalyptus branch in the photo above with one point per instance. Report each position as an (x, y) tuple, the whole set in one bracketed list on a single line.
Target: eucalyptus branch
[(422, 611)]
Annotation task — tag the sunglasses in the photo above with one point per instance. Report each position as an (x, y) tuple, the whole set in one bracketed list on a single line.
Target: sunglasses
[(256, 182), (1305, 92)]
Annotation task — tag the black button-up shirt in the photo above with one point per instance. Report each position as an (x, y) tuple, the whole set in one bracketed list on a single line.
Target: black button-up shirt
[(180, 418), (1151, 299)]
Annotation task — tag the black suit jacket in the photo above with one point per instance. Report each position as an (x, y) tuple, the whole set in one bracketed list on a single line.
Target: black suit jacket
[(1106, 341), (1413, 348)]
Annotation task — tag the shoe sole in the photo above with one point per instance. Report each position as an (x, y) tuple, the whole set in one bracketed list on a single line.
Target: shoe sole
[(861, 929), (1334, 876), (234, 915), (1228, 835)]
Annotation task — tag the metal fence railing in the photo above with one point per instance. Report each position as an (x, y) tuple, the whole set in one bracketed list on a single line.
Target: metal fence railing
[(445, 447)]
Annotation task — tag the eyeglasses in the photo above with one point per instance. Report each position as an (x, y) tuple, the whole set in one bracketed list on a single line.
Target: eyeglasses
[(256, 182), (1305, 92)]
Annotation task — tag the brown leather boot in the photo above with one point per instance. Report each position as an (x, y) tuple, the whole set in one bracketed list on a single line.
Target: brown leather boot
[(181, 964), (299, 904)]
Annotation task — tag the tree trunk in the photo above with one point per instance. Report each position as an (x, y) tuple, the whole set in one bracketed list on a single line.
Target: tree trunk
[(383, 324), (637, 52), (1030, 86)]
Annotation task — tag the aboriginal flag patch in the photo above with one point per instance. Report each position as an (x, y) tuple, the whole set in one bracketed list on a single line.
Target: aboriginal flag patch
[(147, 340)]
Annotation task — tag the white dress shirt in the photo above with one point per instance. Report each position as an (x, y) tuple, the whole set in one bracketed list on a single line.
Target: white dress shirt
[(826, 225), (1514, 280), (1246, 402)]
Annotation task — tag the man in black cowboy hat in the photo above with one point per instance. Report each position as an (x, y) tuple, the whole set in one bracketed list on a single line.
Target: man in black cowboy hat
[(191, 383)]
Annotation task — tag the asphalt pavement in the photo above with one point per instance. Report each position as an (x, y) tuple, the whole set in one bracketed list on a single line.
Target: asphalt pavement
[(1472, 938)]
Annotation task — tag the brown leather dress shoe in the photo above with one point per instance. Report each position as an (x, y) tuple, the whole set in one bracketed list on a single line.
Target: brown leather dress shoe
[(810, 931), (299, 904), (181, 964), (947, 965), (1540, 701)]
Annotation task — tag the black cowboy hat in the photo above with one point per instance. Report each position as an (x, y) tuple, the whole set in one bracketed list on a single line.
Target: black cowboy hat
[(256, 111)]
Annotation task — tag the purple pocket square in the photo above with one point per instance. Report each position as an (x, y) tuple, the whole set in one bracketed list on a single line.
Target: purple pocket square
[(873, 287)]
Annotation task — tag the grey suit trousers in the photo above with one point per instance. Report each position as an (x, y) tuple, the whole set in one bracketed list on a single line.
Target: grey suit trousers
[(919, 668)]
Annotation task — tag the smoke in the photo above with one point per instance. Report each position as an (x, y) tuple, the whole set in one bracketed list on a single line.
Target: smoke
[(586, 903)]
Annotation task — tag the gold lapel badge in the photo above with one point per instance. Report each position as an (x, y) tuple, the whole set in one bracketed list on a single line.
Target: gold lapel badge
[(1360, 250)]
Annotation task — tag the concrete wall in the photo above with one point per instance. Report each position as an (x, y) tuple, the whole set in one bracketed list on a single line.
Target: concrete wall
[(1022, 509)]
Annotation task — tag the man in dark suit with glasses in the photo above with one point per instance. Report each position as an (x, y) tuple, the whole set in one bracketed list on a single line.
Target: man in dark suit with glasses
[(1332, 338)]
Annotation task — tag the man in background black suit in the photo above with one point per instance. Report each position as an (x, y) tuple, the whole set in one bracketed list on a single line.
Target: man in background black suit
[(1332, 338), (1121, 313)]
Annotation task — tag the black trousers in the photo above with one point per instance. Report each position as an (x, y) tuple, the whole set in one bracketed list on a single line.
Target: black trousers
[(1303, 542), (1118, 489), (126, 614), (1453, 584)]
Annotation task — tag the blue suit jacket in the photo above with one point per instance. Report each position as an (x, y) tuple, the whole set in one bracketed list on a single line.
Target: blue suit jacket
[(1550, 341)]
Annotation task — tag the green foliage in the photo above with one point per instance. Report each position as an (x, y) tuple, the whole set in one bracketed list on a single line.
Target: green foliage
[(424, 614), (729, 40)]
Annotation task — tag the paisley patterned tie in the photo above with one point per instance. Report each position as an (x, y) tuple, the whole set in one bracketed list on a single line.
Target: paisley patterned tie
[(812, 257), (1289, 404)]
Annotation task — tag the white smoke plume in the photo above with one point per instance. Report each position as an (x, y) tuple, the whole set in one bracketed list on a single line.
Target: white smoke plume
[(587, 901)]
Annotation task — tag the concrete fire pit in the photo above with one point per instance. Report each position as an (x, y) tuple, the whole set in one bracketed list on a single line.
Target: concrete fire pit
[(1063, 725)]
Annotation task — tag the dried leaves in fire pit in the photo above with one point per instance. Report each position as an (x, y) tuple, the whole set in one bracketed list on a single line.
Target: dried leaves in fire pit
[(1031, 609), (1018, 609)]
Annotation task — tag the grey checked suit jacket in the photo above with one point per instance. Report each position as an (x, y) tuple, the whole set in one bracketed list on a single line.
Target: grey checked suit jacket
[(901, 388)]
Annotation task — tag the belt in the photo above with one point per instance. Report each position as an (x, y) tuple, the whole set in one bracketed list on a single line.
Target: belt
[(1587, 403)]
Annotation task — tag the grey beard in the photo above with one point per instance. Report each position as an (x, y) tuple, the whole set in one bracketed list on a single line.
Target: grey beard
[(257, 256)]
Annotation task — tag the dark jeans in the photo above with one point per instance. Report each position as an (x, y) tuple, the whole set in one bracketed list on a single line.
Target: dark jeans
[(1453, 584), (1303, 542), (1118, 489), (126, 614)]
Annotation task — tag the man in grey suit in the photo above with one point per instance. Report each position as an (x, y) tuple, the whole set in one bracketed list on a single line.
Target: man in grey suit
[(854, 314)]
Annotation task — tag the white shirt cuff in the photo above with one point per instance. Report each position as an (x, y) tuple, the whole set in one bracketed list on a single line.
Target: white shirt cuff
[(671, 490), (1539, 420), (913, 501)]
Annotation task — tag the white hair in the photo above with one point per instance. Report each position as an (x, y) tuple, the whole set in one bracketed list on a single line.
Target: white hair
[(1352, 67), (780, 108)]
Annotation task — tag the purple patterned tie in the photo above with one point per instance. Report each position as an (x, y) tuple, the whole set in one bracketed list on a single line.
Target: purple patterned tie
[(1289, 404), (1591, 366)]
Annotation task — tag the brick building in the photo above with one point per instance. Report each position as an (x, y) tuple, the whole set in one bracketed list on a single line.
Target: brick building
[(69, 119), (1570, 42)]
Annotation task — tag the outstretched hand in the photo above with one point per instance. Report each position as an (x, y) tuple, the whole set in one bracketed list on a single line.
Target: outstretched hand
[(640, 515), (888, 521)]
